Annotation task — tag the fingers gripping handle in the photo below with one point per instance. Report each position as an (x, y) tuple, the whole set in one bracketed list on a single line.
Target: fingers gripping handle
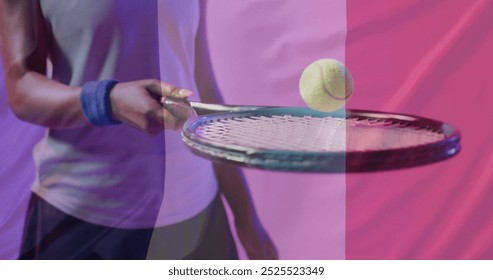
[(180, 108)]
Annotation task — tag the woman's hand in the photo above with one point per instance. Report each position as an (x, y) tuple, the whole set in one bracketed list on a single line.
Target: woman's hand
[(137, 104)]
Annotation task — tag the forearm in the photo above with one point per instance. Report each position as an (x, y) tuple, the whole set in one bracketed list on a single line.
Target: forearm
[(233, 186), (36, 99), (252, 234), (32, 96)]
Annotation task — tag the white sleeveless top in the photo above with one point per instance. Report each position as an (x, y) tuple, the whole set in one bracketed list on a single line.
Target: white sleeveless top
[(116, 175)]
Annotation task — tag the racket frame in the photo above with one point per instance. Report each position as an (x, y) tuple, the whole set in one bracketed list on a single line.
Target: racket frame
[(319, 162)]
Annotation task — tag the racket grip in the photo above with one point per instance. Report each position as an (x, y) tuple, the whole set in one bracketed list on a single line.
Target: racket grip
[(179, 108)]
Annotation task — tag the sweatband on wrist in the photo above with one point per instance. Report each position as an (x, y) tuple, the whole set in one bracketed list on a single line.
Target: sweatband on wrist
[(95, 101)]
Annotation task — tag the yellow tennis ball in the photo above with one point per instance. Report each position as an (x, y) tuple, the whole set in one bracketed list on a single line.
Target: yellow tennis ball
[(326, 85)]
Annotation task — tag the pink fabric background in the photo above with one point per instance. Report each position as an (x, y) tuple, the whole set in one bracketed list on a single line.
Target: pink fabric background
[(429, 58)]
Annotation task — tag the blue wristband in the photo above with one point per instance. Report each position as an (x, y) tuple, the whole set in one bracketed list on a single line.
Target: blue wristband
[(95, 100)]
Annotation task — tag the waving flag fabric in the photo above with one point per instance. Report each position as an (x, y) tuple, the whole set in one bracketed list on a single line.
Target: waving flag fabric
[(420, 57)]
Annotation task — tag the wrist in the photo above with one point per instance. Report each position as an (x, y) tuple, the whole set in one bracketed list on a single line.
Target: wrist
[(95, 102)]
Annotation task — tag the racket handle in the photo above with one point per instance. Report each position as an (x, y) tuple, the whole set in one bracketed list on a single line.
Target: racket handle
[(183, 109), (207, 109), (180, 108)]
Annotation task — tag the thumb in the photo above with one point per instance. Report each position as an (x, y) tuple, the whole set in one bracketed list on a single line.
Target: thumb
[(162, 89)]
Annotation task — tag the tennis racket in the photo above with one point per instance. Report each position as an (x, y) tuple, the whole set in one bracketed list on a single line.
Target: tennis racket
[(303, 140)]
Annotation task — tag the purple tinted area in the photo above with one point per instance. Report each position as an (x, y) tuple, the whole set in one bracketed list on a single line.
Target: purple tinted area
[(17, 139)]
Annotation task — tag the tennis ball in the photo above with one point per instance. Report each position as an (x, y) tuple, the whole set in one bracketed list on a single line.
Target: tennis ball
[(326, 85)]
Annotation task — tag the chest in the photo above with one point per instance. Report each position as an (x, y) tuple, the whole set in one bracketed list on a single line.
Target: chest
[(67, 18)]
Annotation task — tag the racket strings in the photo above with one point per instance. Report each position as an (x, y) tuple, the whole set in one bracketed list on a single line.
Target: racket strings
[(274, 133), (315, 134)]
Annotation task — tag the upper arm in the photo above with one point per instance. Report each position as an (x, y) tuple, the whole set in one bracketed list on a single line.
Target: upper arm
[(23, 40)]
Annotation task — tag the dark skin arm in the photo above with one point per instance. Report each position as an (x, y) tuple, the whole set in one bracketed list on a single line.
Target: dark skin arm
[(232, 183), (37, 99), (24, 52)]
